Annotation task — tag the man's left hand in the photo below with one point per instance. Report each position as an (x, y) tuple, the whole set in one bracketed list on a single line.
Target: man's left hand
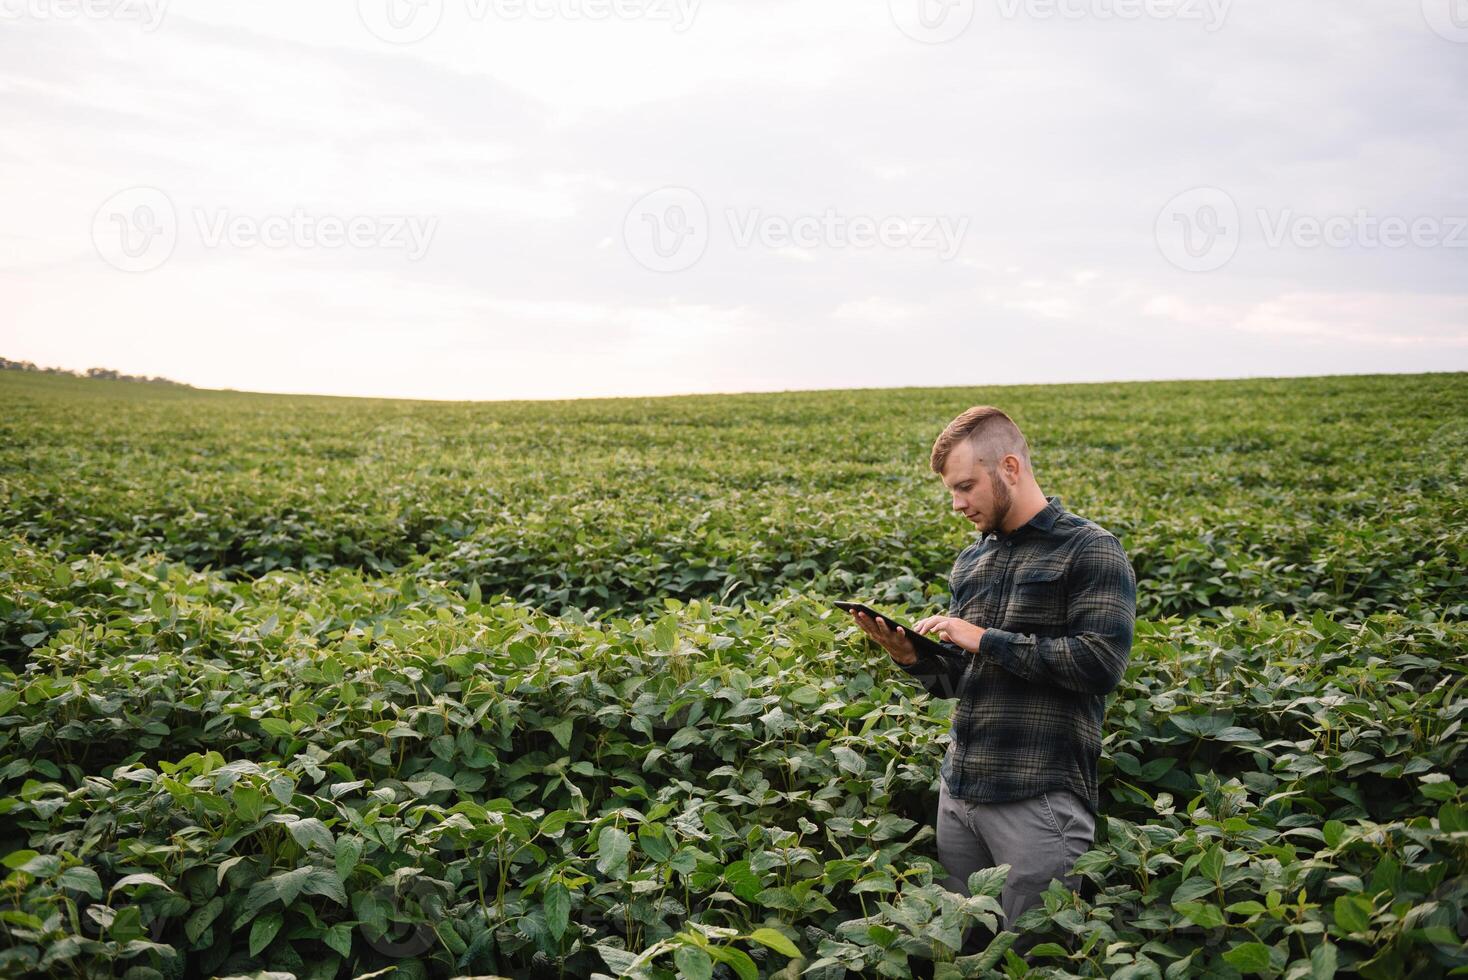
[(952, 629)]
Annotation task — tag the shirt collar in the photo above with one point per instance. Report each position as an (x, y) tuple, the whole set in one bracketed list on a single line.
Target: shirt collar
[(1043, 521)]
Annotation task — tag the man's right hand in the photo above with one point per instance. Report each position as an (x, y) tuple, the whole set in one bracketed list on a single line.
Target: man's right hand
[(892, 639)]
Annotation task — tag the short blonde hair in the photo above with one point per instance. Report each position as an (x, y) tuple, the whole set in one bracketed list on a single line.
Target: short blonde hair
[(992, 432)]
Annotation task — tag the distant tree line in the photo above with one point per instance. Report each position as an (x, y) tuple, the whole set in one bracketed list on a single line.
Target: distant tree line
[(96, 372)]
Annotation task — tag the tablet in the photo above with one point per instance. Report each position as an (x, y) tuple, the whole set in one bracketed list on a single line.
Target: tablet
[(924, 646)]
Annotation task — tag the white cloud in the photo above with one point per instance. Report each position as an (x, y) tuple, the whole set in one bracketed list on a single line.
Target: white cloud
[(527, 141), (1363, 318)]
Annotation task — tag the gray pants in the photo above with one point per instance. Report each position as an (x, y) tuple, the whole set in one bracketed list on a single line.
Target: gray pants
[(1039, 838)]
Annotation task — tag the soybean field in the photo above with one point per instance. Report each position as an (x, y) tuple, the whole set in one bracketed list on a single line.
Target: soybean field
[(318, 687)]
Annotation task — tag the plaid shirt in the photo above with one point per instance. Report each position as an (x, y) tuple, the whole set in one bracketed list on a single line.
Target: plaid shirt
[(1058, 596)]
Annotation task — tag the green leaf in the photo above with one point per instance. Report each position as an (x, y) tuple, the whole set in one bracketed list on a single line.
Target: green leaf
[(557, 909), (653, 843), (562, 732), (1156, 769), (282, 788), (776, 940), (339, 938), (742, 881), (348, 854), (1050, 949), (16, 859), (260, 895), (309, 880), (263, 930), (372, 912), (1249, 957), (1438, 789), (805, 695), (1452, 818), (142, 878), (1353, 913), (248, 803), (1249, 907), (988, 881), (127, 925), (83, 880), (202, 918), (693, 963), (685, 736), (430, 781), (612, 847), (1192, 890), (225, 867), (738, 960), (849, 760), (1322, 961), (312, 831), (665, 634), (1201, 914), (779, 898), (555, 821)]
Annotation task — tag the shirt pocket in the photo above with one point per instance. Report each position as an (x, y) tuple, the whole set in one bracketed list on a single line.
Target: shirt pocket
[(1037, 600), (971, 599)]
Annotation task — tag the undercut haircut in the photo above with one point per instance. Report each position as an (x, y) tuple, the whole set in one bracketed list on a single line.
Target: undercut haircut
[(992, 433)]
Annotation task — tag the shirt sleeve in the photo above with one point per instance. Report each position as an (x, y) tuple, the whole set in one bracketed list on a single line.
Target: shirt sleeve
[(1091, 657)]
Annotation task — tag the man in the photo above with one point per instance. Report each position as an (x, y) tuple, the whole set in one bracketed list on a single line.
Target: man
[(1039, 631)]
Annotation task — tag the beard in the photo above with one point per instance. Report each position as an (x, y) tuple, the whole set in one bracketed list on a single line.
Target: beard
[(1002, 502)]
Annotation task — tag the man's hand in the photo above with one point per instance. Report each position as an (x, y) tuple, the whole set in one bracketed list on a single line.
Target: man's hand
[(957, 631), (892, 639)]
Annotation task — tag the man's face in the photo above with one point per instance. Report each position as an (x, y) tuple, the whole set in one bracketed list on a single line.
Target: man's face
[(982, 498)]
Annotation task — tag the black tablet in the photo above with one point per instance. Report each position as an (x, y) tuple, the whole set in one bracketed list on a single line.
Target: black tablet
[(924, 646)]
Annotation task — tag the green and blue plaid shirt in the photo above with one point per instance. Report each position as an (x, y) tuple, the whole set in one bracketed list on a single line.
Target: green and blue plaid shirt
[(1058, 598)]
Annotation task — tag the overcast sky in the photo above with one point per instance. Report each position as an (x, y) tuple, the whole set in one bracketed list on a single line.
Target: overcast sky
[(558, 198)]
